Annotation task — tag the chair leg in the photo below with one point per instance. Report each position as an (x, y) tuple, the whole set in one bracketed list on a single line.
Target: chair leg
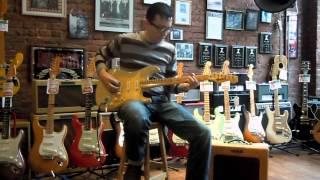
[(146, 167), (163, 152), (122, 163)]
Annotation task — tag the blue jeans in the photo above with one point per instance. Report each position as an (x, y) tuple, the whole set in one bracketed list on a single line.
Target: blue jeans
[(137, 118)]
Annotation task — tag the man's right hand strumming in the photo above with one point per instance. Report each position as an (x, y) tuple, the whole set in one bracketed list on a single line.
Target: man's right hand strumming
[(111, 83)]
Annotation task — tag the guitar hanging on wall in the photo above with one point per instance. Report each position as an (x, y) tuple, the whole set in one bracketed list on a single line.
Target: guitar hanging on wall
[(12, 164), (87, 149), (304, 120), (48, 153), (253, 130)]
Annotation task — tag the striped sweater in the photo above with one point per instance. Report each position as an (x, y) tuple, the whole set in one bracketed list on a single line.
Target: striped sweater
[(135, 53)]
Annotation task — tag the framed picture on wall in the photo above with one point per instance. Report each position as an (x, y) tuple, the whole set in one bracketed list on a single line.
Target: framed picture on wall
[(52, 8), (292, 36), (116, 16), (234, 20), (183, 12), (78, 26), (154, 1), (215, 5), (214, 25), (176, 35), (265, 43), (252, 20), (184, 51), (265, 17)]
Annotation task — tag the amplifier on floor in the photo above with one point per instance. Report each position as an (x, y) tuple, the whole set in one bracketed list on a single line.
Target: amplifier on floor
[(69, 99), (264, 94), (232, 161), (260, 107), (192, 95)]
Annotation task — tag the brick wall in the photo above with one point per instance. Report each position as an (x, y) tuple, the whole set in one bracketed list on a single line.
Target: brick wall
[(26, 31)]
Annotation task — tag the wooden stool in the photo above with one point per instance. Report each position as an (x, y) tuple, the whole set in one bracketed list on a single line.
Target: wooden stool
[(164, 174)]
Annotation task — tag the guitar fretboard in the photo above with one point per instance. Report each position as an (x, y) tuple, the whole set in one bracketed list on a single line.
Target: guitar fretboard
[(88, 104), (6, 104)]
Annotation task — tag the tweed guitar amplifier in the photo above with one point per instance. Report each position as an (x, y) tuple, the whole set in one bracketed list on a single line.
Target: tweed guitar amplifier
[(69, 98), (232, 161)]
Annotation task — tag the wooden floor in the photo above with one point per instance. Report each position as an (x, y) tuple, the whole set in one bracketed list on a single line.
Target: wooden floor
[(282, 166)]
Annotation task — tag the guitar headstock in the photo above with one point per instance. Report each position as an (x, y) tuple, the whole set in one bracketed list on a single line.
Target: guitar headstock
[(91, 68), (225, 67), (180, 69), (3, 8), (207, 68), (12, 71), (250, 72), (305, 66), (55, 67)]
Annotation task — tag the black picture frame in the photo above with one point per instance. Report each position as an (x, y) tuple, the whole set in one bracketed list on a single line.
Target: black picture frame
[(221, 53), (252, 18), (237, 56), (234, 20), (265, 43), (251, 56), (184, 51), (205, 53)]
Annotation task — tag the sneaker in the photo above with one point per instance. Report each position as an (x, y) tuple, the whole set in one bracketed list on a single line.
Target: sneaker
[(133, 173)]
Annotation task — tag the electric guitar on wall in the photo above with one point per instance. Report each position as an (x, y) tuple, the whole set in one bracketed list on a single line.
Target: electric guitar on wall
[(278, 130), (230, 129), (48, 153), (178, 146), (304, 120), (87, 149), (12, 164), (133, 83), (253, 130)]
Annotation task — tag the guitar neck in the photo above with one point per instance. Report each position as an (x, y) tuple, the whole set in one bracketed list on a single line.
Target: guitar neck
[(304, 107), (226, 104), (50, 120), (2, 48), (87, 121), (252, 108), (6, 116), (276, 102), (206, 115)]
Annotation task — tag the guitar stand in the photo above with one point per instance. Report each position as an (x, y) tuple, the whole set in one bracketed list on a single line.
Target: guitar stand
[(305, 145), (284, 147)]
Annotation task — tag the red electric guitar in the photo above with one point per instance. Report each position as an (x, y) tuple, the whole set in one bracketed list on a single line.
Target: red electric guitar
[(87, 149)]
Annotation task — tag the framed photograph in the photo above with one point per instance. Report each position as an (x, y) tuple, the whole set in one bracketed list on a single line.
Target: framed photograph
[(183, 12), (265, 17), (48, 8), (215, 5), (71, 67), (184, 51), (237, 56), (205, 53), (234, 20), (251, 56), (176, 35), (214, 25), (252, 20), (78, 26), (154, 1), (116, 15), (292, 36), (265, 43), (221, 53)]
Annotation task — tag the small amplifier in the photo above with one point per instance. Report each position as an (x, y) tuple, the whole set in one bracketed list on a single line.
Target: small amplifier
[(192, 95), (69, 98), (264, 94), (260, 107), (231, 161)]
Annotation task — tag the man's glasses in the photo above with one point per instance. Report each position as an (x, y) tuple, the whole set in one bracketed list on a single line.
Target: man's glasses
[(162, 29)]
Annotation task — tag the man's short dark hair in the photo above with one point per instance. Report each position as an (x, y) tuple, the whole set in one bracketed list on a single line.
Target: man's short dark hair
[(160, 8)]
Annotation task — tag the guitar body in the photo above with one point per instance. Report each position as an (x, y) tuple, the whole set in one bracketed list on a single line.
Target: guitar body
[(178, 146), (217, 125), (48, 152), (253, 130), (302, 123), (130, 88), (87, 149), (316, 132), (278, 130), (231, 130), (12, 165)]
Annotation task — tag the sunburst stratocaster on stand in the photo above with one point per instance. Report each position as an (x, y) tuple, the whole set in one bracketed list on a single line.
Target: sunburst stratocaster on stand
[(278, 130), (12, 164), (253, 130), (48, 153), (133, 83), (87, 149)]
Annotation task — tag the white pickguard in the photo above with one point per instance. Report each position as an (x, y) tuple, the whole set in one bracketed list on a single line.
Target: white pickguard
[(89, 142), (255, 125), (10, 152), (231, 130), (52, 145)]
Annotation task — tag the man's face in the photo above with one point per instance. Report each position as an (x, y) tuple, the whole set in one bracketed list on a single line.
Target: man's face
[(159, 28)]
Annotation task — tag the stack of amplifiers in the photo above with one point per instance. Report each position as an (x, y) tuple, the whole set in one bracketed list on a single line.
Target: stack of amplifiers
[(69, 98), (264, 94), (260, 108)]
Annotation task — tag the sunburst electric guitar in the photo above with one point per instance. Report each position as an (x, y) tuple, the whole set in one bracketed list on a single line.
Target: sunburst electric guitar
[(253, 130), (278, 130), (87, 149), (178, 146), (230, 130), (12, 164), (48, 153), (316, 128), (133, 83)]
